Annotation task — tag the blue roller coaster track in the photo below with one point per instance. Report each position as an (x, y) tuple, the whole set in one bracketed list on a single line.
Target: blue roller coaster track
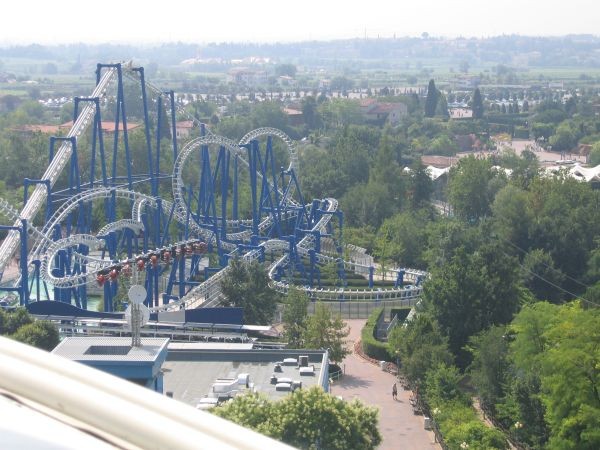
[(171, 218)]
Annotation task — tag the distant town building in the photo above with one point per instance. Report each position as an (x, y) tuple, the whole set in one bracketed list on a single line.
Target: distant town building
[(247, 77), (183, 129), (382, 112), (295, 116), (439, 162), (324, 84), (460, 113)]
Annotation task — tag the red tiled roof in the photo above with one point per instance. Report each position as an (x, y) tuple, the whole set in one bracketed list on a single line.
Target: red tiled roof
[(438, 161), (185, 124), (292, 112)]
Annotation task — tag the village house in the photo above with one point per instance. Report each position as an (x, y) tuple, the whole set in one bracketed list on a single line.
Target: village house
[(382, 112)]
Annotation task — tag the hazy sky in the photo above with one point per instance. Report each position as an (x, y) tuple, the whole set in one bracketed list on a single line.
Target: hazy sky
[(60, 21)]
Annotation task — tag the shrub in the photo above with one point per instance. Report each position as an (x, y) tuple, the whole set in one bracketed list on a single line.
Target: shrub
[(371, 346), (476, 435), (41, 334)]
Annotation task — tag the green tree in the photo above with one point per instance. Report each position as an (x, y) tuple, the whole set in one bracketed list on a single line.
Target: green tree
[(420, 346), (431, 100), (595, 154), (307, 419), (512, 216), (286, 69), (328, 331), (442, 384), (490, 366), (420, 186), (295, 315), (476, 435), (441, 108), (387, 171), (367, 204), (477, 105), (471, 292), (246, 285), (41, 334), (311, 113), (571, 379), (268, 114), (402, 238), (253, 410), (15, 320), (470, 188), (541, 277), (341, 83), (443, 145)]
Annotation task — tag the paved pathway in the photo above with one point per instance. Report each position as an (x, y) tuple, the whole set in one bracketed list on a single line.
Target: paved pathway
[(399, 427)]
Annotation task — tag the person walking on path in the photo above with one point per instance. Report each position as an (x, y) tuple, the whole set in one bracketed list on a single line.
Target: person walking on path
[(395, 392)]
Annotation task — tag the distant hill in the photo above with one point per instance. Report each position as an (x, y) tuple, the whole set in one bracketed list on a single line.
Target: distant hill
[(521, 51)]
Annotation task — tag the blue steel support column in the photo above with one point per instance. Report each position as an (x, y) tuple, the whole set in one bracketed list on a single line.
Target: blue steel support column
[(234, 206), (313, 262), (153, 181), (399, 278), (156, 276), (224, 187), (181, 267), (36, 276), (252, 150), (108, 297), (121, 97), (158, 136), (24, 294), (173, 124), (149, 285), (278, 205)]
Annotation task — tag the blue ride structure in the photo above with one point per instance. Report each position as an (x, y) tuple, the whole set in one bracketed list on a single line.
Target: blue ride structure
[(127, 197)]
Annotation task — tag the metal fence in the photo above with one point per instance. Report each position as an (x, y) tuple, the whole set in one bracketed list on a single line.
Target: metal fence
[(362, 310)]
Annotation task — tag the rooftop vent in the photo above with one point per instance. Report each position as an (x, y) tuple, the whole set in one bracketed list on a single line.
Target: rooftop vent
[(109, 350)]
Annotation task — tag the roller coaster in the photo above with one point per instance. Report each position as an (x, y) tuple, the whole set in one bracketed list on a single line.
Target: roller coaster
[(108, 209)]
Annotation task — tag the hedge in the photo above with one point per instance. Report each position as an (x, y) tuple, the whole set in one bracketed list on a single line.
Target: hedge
[(371, 346)]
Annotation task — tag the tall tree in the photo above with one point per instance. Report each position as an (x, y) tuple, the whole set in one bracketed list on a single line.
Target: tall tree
[(420, 346), (470, 188), (310, 113), (541, 277), (477, 105), (328, 331), (295, 315), (246, 285), (431, 100), (490, 364), (471, 292), (441, 108), (421, 185)]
